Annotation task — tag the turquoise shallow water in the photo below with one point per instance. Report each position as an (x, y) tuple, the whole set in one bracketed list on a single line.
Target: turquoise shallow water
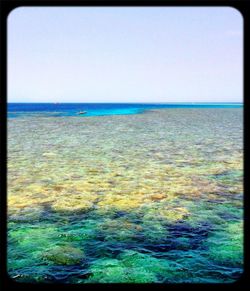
[(16, 110), (150, 197)]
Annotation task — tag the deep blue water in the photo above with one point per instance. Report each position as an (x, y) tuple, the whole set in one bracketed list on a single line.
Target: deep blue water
[(99, 109)]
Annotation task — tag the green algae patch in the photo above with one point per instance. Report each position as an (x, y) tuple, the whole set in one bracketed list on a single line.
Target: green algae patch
[(134, 267), (64, 255), (33, 238), (226, 246), (135, 259), (27, 243), (154, 231), (114, 271), (119, 229), (79, 235)]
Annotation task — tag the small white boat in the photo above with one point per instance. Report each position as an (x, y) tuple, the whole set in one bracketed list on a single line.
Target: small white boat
[(82, 112)]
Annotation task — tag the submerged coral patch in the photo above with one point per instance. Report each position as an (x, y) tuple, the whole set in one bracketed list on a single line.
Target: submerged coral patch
[(64, 255)]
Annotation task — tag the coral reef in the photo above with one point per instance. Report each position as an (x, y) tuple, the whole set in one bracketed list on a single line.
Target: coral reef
[(153, 197)]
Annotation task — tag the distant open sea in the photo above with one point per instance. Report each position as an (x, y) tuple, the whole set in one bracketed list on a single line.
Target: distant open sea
[(99, 109)]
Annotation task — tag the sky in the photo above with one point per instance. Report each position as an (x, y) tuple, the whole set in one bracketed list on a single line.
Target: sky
[(132, 54)]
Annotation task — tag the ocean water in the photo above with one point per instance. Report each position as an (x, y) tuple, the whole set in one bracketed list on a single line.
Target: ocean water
[(125, 194), (99, 109)]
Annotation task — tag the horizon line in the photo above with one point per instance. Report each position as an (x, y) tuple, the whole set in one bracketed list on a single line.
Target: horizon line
[(189, 102)]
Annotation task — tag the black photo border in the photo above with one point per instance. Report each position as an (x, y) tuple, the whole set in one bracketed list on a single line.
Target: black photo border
[(6, 6)]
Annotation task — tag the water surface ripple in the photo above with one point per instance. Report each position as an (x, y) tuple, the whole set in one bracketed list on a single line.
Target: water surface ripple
[(139, 198)]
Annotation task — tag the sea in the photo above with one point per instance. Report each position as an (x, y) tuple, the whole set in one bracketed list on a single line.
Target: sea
[(125, 193), (100, 109)]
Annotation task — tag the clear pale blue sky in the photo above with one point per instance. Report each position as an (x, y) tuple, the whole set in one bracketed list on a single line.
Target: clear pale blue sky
[(125, 54)]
